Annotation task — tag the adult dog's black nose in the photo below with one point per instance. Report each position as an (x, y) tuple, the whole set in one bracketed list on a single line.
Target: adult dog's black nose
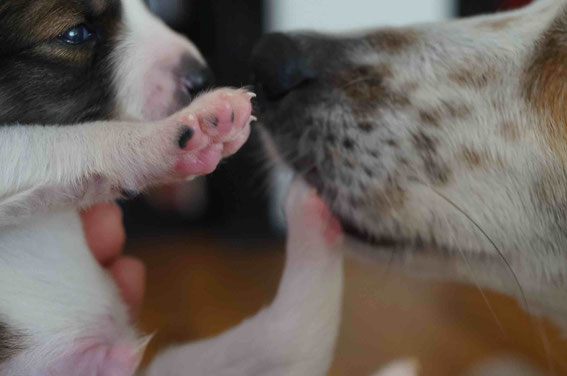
[(281, 65)]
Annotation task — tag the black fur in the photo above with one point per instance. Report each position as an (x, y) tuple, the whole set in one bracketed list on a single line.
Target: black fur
[(44, 81), (10, 343)]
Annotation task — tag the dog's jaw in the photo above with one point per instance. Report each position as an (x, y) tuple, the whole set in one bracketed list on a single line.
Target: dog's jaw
[(424, 142)]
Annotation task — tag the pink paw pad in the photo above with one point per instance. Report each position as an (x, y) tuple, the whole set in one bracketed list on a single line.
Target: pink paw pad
[(214, 126)]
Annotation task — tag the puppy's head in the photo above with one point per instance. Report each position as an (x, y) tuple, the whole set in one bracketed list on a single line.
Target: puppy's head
[(69, 61), (434, 142)]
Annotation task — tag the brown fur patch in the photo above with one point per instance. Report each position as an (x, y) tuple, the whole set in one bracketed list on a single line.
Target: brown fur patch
[(474, 77), (549, 194), (509, 131), (432, 118), (365, 86), (471, 157), (436, 170), (545, 86), (388, 199), (474, 158), (392, 40), (425, 143), (444, 111), (46, 19), (363, 73)]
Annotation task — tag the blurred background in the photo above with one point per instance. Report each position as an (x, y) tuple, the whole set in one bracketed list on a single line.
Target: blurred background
[(214, 249)]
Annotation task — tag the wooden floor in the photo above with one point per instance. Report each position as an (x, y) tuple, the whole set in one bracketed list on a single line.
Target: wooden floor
[(199, 286)]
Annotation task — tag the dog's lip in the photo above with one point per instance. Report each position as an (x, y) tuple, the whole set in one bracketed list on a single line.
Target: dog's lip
[(349, 228), (365, 237)]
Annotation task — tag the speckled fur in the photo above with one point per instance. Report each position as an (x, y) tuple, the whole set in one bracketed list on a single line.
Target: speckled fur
[(449, 141)]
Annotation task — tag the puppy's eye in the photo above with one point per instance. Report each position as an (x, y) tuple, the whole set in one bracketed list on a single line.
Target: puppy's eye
[(77, 35)]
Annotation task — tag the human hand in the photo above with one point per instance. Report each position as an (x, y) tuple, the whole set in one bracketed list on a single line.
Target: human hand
[(106, 236)]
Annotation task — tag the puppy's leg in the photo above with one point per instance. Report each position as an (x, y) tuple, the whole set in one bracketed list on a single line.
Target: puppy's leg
[(296, 334), (400, 368), (47, 167), (506, 366)]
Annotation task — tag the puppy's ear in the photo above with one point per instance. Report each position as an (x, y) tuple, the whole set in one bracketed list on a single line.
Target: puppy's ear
[(100, 359)]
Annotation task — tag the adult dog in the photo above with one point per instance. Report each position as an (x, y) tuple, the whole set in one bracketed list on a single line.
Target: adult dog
[(440, 147)]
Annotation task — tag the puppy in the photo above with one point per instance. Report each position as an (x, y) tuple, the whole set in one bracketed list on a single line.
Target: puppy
[(441, 147), (98, 97)]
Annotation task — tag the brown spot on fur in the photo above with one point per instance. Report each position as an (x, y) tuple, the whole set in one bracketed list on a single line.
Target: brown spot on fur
[(471, 157), (392, 40), (474, 158), (436, 170), (430, 117), (456, 110), (509, 131), (363, 73), (424, 143), (388, 199), (444, 111), (366, 87), (474, 77)]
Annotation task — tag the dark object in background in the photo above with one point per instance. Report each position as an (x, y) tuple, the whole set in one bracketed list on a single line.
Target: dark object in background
[(474, 7), (225, 32)]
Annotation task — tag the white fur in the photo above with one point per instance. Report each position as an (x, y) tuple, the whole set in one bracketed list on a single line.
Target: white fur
[(486, 223), (147, 53), (497, 197)]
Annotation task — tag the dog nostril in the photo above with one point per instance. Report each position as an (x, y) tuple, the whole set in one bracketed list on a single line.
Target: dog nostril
[(196, 78), (280, 66)]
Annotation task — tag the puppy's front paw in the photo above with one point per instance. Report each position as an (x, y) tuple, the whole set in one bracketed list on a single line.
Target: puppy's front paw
[(214, 126)]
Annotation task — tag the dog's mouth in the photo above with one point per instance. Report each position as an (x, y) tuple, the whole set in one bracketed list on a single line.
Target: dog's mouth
[(311, 174), (355, 233), (350, 229)]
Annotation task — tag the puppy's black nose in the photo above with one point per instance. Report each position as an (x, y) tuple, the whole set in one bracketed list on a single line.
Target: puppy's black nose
[(280, 65), (195, 76)]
